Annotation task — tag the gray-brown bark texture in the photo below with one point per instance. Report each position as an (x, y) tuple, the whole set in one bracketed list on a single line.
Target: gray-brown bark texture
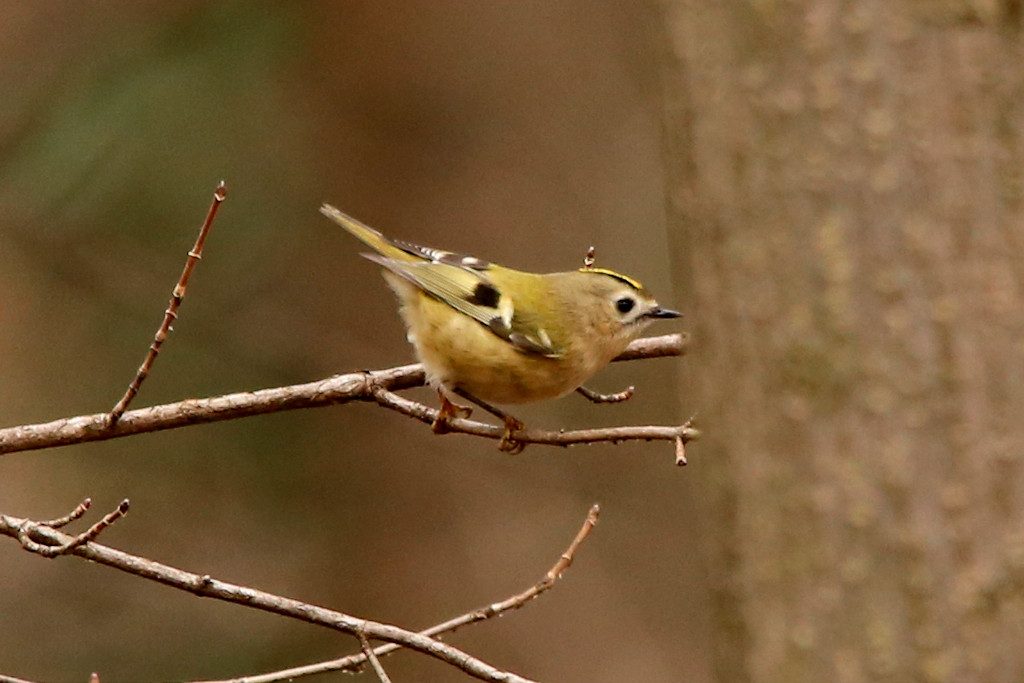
[(846, 209)]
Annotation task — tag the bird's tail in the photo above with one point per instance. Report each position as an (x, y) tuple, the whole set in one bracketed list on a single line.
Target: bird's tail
[(372, 238)]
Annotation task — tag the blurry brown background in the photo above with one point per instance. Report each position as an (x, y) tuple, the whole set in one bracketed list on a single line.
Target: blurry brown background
[(523, 132), (832, 190)]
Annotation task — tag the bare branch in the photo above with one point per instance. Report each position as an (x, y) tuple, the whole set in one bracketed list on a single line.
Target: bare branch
[(354, 662), (42, 538), (424, 413), (171, 314), (374, 662), (82, 508), (90, 534), (618, 397), (553, 574), (12, 679), (355, 386)]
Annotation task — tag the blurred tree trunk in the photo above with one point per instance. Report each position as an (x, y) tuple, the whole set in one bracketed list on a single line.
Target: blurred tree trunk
[(846, 201)]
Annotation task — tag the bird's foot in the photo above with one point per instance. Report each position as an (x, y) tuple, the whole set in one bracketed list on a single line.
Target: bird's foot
[(508, 443), (442, 424)]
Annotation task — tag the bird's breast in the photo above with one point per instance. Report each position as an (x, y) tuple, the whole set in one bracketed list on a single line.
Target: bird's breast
[(459, 352)]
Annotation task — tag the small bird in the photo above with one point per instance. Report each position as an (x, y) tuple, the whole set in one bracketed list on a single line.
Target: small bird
[(493, 334)]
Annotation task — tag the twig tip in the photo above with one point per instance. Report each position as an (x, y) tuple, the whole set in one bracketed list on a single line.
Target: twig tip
[(590, 258), (680, 452)]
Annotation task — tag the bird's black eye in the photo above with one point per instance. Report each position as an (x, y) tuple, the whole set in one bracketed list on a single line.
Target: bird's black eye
[(625, 305)]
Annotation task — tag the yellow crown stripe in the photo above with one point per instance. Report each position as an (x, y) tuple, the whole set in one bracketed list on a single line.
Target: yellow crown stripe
[(618, 276)]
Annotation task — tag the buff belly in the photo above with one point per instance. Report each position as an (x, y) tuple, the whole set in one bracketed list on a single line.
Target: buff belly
[(459, 352)]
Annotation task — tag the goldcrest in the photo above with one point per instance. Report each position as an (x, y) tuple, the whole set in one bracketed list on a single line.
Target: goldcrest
[(494, 334)]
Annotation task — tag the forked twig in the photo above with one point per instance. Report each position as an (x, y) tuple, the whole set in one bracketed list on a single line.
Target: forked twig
[(171, 314), (41, 539), (354, 662), (29, 527), (374, 662), (684, 432)]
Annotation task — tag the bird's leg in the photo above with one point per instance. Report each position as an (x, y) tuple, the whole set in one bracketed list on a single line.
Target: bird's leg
[(447, 412), (596, 397), (508, 443)]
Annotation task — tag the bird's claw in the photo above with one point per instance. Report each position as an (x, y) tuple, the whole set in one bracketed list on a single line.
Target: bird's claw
[(508, 443), (442, 423)]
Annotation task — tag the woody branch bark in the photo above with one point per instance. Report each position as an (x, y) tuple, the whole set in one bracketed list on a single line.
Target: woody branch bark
[(352, 663), (42, 538), (36, 537), (424, 413), (355, 386), (171, 314)]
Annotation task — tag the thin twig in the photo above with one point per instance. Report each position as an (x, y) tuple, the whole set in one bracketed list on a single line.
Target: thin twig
[(684, 432), (617, 397), (590, 257), (42, 537), (354, 662), (355, 386), (553, 574), (90, 534), (82, 508), (171, 314), (374, 662)]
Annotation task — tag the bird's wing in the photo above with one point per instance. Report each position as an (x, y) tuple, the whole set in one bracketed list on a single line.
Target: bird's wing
[(472, 293), (455, 279)]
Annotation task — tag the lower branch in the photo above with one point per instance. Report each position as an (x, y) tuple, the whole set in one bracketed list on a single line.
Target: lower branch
[(39, 536), (354, 662)]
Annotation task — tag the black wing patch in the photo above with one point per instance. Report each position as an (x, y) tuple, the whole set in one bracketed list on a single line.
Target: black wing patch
[(458, 280), (485, 294)]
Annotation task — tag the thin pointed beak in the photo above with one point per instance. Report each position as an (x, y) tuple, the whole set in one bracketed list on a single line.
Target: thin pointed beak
[(659, 312)]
